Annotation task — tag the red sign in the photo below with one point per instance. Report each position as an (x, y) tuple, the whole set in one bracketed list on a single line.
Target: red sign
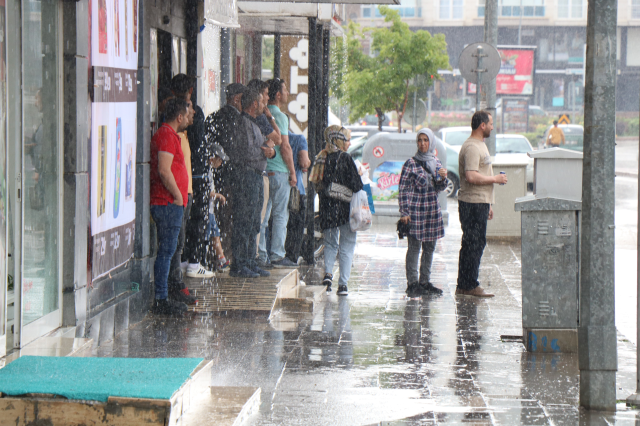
[(516, 73), (378, 152)]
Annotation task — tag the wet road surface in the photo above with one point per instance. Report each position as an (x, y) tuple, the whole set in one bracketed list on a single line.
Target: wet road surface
[(376, 357)]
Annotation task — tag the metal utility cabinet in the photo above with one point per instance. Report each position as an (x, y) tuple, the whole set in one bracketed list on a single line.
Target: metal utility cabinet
[(551, 252)]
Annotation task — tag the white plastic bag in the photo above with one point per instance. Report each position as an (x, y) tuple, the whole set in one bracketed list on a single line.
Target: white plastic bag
[(360, 216)]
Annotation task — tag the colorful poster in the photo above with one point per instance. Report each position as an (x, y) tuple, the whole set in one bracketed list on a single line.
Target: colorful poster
[(385, 179), (516, 72), (113, 133)]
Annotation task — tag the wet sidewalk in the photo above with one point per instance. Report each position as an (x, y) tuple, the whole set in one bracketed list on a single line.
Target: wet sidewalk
[(376, 357)]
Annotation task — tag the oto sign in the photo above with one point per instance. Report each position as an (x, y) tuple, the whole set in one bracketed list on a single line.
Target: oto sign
[(378, 152)]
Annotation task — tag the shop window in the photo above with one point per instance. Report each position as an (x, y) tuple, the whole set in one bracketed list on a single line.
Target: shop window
[(406, 9), (571, 9), (633, 53), (635, 9), (528, 8), (481, 4), (451, 9)]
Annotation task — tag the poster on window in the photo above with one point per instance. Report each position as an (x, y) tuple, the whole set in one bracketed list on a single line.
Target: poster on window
[(516, 72), (114, 60)]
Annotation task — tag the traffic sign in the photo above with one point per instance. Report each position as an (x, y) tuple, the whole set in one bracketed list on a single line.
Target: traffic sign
[(420, 113), (378, 152), (468, 62), (564, 119)]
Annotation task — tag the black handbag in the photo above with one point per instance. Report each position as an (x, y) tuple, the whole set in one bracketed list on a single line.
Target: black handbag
[(336, 190), (402, 229)]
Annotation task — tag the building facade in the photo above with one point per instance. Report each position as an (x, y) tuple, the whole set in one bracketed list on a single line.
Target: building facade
[(556, 28)]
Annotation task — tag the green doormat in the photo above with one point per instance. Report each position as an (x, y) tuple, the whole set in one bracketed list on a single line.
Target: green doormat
[(97, 378)]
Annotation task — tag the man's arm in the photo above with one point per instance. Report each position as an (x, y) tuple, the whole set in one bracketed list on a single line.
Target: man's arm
[(275, 136), (475, 178), (562, 136), (303, 160), (287, 156), (165, 159)]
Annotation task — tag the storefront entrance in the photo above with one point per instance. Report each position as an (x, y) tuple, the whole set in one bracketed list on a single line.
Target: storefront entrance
[(32, 126)]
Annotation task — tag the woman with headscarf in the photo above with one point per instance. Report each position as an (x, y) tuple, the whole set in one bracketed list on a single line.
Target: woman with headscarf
[(421, 179), (334, 165)]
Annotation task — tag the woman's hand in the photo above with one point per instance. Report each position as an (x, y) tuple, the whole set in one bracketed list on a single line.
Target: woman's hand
[(405, 219), (442, 173), (221, 197)]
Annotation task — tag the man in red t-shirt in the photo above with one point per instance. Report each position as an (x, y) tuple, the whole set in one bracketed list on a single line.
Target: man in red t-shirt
[(169, 186)]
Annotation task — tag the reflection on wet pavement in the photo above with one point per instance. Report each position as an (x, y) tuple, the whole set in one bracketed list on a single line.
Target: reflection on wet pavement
[(376, 357)]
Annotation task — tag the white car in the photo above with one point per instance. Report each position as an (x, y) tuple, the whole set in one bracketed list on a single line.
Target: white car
[(513, 146)]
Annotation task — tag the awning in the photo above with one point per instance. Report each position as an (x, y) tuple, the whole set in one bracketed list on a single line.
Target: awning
[(223, 13), (391, 2), (283, 18)]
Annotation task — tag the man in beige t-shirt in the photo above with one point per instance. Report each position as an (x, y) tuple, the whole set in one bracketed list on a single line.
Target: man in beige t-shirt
[(474, 203)]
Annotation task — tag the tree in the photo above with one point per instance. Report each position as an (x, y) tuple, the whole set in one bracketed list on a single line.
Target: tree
[(383, 81)]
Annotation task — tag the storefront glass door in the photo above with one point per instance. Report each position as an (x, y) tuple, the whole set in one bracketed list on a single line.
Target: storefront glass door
[(41, 197), (3, 181)]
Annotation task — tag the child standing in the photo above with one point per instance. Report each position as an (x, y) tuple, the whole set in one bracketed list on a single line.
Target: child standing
[(213, 233)]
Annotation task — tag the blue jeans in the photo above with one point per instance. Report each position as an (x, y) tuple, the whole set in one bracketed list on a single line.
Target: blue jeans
[(168, 221), (277, 207), (342, 238)]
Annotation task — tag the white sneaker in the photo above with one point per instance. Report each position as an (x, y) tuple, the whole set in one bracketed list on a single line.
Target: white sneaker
[(184, 266), (199, 272)]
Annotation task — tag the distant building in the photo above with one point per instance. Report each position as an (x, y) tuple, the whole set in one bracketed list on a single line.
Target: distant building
[(556, 27)]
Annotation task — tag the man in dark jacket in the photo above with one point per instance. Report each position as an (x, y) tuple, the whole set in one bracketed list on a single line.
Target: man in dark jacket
[(195, 241), (249, 160), (221, 128)]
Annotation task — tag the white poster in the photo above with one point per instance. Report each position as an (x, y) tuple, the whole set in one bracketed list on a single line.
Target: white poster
[(114, 57)]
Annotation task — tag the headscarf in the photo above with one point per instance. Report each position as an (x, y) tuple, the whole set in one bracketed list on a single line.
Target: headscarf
[(428, 157), (335, 138)]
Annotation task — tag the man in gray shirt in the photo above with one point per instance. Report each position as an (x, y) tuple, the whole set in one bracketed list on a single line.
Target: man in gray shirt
[(249, 158)]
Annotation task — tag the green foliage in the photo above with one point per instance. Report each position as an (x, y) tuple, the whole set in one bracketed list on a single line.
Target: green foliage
[(338, 68), (267, 52), (402, 62)]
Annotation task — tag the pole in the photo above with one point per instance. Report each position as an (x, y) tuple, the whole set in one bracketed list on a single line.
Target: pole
[(634, 399), (520, 26), (597, 342), (315, 57), (489, 87), (479, 55), (276, 56), (429, 110), (414, 118)]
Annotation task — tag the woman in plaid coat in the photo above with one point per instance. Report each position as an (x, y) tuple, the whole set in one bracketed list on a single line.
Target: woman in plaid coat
[(421, 179)]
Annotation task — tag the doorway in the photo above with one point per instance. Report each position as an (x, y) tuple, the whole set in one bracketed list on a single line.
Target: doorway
[(35, 168)]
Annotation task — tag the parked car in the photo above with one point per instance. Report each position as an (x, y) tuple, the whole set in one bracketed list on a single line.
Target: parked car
[(371, 130), (358, 139), (453, 137), (534, 110), (372, 120), (514, 147), (573, 136), (385, 154)]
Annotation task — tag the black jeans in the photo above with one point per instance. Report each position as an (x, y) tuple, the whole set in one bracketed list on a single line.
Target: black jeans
[(473, 220), (295, 231), (196, 236), (248, 195), (175, 273)]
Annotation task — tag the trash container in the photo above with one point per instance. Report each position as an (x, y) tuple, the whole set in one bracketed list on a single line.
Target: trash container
[(550, 221)]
